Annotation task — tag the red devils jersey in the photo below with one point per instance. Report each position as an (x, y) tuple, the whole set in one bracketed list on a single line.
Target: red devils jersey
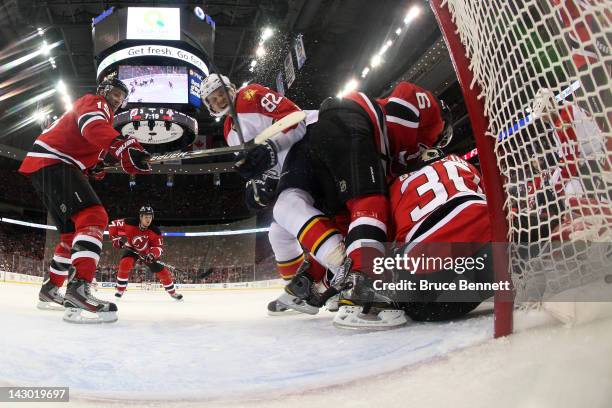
[(413, 118), (80, 137), (441, 202), (142, 241)]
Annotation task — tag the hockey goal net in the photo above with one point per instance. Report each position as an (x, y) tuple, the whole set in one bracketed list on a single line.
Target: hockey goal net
[(535, 75)]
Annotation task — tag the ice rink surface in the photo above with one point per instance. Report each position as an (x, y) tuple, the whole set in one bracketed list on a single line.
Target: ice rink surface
[(219, 348)]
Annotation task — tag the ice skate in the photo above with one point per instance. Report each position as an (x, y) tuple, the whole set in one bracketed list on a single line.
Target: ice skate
[(177, 296), (300, 294), (49, 297), (82, 307), (361, 307)]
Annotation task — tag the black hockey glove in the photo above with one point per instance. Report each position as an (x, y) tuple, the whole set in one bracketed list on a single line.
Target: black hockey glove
[(149, 259), (256, 160), (260, 192)]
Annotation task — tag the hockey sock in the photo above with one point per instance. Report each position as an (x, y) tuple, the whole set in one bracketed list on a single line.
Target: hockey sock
[(87, 243), (367, 231), (288, 252), (287, 269), (318, 235), (58, 269), (123, 275), (165, 277)]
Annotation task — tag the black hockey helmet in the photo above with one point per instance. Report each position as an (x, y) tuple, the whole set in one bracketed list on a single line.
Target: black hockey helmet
[(109, 83), (447, 132), (146, 210)]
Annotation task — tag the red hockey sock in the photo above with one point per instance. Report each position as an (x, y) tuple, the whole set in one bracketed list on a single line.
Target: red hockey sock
[(165, 277), (367, 231), (123, 275), (58, 269), (287, 269), (87, 244)]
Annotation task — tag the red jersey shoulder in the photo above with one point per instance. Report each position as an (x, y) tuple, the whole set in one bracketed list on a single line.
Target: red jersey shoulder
[(248, 98), (89, 103)]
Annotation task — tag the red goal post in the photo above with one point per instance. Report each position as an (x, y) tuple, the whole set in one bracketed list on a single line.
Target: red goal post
[(517, 63)]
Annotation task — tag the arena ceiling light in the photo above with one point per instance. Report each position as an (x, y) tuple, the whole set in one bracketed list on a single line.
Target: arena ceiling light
[(261, 51), (40, 115), (412, 14), (61, 87), (40, 31), (350, 86), (5, 67), (376, 60), (45, 48), (365, 72), (266, 34)]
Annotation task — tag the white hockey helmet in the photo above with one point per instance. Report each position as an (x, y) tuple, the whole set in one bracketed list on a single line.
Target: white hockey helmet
[(210, 84)]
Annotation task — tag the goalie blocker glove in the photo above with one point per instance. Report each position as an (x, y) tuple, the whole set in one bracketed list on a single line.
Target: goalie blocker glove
[(133, 157), (257, 160)]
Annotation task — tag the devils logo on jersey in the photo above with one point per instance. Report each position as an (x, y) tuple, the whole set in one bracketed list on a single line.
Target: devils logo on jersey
[(140, 242)]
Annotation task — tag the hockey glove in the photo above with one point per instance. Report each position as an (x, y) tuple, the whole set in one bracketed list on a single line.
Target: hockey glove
[(149, 258), (118, 243), (256, 160), (260, 192), (97, 173), (133, 157)]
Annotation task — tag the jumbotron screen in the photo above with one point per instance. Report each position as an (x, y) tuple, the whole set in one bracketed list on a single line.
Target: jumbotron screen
[(155, 84)]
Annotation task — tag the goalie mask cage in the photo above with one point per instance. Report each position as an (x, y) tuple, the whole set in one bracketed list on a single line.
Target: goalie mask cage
[(535, 76)]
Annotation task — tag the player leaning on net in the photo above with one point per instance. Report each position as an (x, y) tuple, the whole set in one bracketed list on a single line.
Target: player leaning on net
[(140, 239), (257, 107), (58, 166), (355, 148)]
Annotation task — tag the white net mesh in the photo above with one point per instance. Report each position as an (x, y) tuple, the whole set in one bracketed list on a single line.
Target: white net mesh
[(544, 68)]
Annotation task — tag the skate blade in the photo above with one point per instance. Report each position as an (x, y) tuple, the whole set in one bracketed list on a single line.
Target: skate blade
[(291, 302), (80, 316), (350, 317), (49, 306), (286, 312)]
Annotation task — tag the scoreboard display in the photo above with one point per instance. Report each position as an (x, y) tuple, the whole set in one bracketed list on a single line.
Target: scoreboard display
[(162, 56)]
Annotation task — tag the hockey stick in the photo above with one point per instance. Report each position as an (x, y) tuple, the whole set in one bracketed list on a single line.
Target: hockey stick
[(290, 120)]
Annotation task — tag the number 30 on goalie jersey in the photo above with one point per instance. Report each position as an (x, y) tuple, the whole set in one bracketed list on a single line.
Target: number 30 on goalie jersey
[(416, 195)]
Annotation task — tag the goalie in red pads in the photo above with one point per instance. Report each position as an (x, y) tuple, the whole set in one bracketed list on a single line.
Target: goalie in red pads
[(140, 239)]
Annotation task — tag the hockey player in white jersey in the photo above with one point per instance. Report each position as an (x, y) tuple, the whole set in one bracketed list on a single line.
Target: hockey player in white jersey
[(257, 107)]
